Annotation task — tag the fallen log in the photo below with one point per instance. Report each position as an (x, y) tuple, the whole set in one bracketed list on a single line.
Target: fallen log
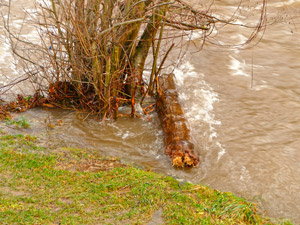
[(179, 146)]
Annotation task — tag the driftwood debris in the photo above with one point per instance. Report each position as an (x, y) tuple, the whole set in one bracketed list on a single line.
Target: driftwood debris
[(178, 140)]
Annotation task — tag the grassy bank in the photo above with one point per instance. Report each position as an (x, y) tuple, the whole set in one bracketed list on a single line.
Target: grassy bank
[(76, 186)]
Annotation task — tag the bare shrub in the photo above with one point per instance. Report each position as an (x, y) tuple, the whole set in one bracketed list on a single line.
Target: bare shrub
[(92, 53)]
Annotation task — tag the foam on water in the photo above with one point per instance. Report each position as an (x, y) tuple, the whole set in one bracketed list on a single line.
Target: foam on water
[(238, 67), (5, 51), (201, 101)]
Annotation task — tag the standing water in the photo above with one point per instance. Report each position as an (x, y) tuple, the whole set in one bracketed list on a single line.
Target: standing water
[(243, 106)]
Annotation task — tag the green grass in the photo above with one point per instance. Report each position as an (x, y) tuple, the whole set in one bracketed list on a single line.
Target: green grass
[(18, 123), (76, 186)]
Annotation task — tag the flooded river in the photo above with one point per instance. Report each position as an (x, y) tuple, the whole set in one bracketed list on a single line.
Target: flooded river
[(243, 106)]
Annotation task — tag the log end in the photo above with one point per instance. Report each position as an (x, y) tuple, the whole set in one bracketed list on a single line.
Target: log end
[(178, 162), (189, 161), (184, 161), (182, 154)]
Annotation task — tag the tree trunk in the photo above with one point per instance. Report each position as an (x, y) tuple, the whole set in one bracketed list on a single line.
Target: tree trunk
[(179, 146), (143, 46)]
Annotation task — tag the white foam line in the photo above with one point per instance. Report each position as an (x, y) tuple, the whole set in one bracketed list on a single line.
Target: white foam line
[(183, 71), (238, 67), (205, 97)]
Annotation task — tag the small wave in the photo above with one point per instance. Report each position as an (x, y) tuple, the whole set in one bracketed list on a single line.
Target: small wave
[(198, 98), (283, 3)]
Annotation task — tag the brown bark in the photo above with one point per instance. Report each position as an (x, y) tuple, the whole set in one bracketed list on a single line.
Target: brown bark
[(179, 146)]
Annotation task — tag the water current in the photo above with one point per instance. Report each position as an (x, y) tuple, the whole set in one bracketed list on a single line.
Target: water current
[(243, 106)]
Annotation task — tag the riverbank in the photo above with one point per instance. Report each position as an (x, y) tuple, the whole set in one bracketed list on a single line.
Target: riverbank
[(78, 186)]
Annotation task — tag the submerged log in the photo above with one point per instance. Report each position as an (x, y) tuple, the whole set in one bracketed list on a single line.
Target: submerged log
[(179, 146)]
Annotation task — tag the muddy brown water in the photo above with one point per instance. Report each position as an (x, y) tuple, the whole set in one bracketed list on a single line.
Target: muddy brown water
[(243, 106)]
